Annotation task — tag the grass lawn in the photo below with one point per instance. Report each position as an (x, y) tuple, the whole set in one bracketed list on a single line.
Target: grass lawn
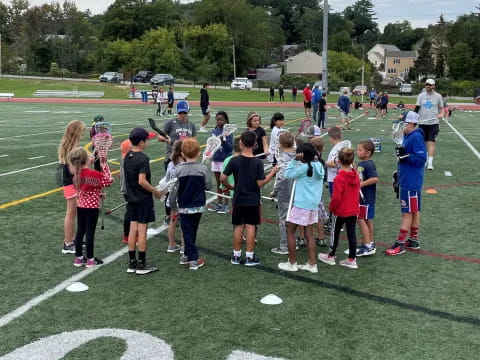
[(419, 305)]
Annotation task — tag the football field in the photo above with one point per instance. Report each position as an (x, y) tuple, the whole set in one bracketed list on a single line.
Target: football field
[(419, 305)]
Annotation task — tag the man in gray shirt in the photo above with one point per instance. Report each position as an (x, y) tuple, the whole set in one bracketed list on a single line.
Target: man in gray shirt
[(429, 107), (178, 128)]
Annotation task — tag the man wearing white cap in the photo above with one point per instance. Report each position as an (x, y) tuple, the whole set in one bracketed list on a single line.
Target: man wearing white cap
[(411, 159), (429, 107)]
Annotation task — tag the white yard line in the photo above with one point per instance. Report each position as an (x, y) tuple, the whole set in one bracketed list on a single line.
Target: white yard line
[(30, 168), (3, 156), (19, 136), (469, 145), (36, 157)]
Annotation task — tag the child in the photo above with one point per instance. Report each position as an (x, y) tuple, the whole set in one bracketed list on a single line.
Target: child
[(335, 136), (308, 174), (283, 188), (368, 184), (236, 151), (249, 177), (70, 140), (219, 156), (177, 159), (253, 124), (318, 144), (140, 207), (93, 132), (89, 184), (276, 124), (188, 199), (344, 207)]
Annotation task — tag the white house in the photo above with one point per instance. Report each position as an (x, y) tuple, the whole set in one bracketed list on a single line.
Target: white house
[(376, 55), (305, 63)]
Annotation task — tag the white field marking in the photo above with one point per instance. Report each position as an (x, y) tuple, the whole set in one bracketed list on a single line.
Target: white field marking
[(3, 156), (37, 111), (448, 173), (26, 169), (112, 159), (36, 157), (19, 136), (469, 145), (7, 318)]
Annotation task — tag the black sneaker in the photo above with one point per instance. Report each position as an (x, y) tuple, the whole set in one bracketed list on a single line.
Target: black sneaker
[(412, 244), (143, 269), (235, 260), (68, 249), (252, 261), (132, 267), (301, 242)]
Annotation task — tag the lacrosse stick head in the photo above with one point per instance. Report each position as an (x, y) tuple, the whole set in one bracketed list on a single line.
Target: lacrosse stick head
[(229, 129), (213, 144), (305, 124), (103, 127), (102, 143), (398, 128)]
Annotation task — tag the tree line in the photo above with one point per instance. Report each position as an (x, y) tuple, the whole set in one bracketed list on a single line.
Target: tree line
[(195, 41)]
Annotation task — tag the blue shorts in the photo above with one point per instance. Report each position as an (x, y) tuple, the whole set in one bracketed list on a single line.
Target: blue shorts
[(330, 187), (367, 211), (410, 201), (205, 110)]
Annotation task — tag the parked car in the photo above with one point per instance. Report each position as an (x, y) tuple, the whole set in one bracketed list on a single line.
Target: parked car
[(360, 90), (111, 77), (345, 88), (143, 76), (405, 89), (252, 74), (162, 79), (241, 83)]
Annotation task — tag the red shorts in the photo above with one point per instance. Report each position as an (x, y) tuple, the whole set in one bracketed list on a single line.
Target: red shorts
[(69, 192)]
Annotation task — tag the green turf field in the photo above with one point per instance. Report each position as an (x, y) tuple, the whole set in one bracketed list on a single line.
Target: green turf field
[(421, 305)]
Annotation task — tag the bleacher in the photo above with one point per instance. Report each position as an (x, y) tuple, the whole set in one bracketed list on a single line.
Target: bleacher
[(7, 95), (177, 95), (68, 94)]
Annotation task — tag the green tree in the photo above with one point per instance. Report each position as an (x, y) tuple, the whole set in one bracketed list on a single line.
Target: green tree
[(159, 51), (423, 65), (362, 16), (402, 35), (460, 62)]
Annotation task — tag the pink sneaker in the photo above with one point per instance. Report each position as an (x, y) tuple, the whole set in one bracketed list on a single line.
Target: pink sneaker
[(79, 261), (93, 262)]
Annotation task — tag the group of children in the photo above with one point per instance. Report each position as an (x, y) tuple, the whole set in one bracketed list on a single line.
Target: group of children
[(297, 167)]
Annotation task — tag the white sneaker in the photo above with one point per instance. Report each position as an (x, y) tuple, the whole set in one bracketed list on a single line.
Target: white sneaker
[(327, 259), (430, 167), (286, 266), (352, 264), (202, 129), (308, 267)]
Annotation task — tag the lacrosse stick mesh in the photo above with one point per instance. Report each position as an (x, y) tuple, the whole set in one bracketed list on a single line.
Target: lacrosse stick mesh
[(102, 143), (397, 132), (305, 124), (103, 128), (229, 129), (213, 144)]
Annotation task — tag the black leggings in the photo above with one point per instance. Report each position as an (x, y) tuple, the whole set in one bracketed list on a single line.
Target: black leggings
[(86, 224), (337, 224)]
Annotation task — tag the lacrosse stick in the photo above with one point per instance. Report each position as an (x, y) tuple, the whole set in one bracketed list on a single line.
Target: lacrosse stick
[(154, 126), (213, 144), (305, 124), (108, 212), (165, 185), (397, 132), (102, 143), (228, 129), (290, 203), (103, 127)]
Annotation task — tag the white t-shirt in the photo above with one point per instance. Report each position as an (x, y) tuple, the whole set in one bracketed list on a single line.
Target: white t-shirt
[(332, 155), (430, 106), (273, 142)]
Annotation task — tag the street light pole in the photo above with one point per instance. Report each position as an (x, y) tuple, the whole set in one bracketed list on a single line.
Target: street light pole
[(0, 54), (363, 68), (325, 47), (234, 66)]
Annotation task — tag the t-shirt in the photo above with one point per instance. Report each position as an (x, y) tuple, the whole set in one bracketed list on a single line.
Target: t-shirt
[(246, 171), (366, 170), (178, 130), (231, 180), (430, 105), (134, 164), (307, 94), (332, 155), (258, 149), (67, 176), (90, 186), (321, 105), (273, 142)]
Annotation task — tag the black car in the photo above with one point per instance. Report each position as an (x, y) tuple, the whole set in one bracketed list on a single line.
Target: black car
[(162, 79), (143, 76)]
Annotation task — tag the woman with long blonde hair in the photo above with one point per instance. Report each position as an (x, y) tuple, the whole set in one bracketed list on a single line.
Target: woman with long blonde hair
[(70, 140)]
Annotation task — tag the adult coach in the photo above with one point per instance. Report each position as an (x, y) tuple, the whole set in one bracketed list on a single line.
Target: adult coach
[(343, 104), (178, 128), (205, 106), (307, 100), (429, 107)]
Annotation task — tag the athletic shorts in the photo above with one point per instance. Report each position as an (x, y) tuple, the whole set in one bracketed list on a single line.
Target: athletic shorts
[(410, 201), (205, 110), (246, 215), (383, 107), (142, 211), (217, 166), (69, 192), (170, 105), (303, 217), (307, 104), (367, 211), (430, 131)]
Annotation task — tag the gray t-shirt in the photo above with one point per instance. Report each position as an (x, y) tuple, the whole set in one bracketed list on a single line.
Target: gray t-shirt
[(430, 106), (178, 130)]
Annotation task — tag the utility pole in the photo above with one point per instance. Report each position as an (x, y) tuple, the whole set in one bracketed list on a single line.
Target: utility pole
[(325, 46), (234, 66), (0, 55), (363, 68)]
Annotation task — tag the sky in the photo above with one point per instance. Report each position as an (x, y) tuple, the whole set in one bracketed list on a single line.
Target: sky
[(420, 13)]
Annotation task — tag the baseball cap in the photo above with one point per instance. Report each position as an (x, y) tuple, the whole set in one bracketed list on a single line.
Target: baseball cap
[(98, 118), (312, 131), (138, 134), (183, 106), (430, 82), (412, 117)]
